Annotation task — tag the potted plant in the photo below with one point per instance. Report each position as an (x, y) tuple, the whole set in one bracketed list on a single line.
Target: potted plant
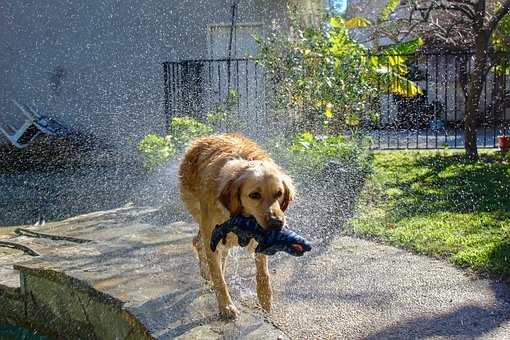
[(503, 142)]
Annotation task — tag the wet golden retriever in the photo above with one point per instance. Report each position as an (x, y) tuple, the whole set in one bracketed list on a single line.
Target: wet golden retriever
[(223, 175)]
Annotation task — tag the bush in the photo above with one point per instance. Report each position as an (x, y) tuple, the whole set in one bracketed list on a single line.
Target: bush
[(184, 130), (222, 117), (156, 150), (312, 152)]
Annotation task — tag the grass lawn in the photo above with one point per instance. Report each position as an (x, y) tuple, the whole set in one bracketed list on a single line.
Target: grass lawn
[(440, 204)]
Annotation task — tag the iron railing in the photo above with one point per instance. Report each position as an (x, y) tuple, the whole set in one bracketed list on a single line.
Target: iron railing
[(431, 121), (196, 88)]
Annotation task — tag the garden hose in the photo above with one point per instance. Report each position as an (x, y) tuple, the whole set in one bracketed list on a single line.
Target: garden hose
[(30, 233), (14, 245)]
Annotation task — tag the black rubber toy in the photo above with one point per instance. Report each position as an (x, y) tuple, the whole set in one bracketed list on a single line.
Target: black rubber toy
[(269, 241)]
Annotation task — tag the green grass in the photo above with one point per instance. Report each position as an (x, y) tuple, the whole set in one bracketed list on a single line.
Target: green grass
[(440, 204)]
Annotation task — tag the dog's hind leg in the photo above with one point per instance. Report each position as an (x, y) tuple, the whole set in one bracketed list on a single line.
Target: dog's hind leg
[(225, 304), (264, 290)]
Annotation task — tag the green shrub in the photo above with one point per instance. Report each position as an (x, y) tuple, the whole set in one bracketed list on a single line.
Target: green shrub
[(183, 130), (313, 152), (156, 150), (222, 116)]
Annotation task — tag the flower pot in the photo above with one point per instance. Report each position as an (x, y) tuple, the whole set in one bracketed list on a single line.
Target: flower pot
[(503, 143)]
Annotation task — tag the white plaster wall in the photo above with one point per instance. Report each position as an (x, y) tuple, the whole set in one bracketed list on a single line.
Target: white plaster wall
[(109, 55)]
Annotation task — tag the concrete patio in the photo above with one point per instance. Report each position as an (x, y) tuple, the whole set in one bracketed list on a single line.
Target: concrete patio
[(139, 279)]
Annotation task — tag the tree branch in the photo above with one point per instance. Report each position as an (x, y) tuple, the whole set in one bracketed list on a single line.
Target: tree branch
[(500, 13), (458, 8), (463, 2)]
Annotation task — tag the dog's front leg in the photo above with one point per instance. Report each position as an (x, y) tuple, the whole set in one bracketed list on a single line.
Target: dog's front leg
[(264, 290), (202, 257), (224, 257), (225, 304)]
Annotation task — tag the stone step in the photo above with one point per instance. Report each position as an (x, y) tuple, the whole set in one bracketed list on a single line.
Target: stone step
[(135, 280)]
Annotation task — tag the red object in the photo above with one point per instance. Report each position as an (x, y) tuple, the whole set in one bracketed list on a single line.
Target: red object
[(503, 143), (297, 247)]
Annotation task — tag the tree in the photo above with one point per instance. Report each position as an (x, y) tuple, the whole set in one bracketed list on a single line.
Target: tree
[(320, 74), (480, 26)]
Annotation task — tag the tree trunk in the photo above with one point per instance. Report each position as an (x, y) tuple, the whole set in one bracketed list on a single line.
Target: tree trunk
[(475, 83), (498, 89)]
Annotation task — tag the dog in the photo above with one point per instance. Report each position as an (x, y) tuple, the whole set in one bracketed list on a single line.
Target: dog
[(223, 175)]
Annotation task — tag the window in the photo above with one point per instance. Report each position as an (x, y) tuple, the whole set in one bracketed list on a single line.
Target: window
[(337, 7), (243, 43), (312, 11)]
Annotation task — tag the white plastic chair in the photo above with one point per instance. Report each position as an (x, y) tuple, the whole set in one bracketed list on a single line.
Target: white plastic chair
[(34, 124)]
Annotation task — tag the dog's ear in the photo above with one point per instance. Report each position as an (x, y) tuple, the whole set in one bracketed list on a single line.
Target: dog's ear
[(230, 196), (230, 188), (289, 192)]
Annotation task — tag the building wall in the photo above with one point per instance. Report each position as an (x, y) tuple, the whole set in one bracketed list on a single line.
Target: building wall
[(96, 65), (364, 8)]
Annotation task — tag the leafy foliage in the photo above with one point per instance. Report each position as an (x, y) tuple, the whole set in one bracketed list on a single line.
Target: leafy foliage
[(323, 76), (156, 150), (184, 130), (222, 117), (357, 22), (391, 67), (500, 40), (389, 8), (501, 37), (312, 152)]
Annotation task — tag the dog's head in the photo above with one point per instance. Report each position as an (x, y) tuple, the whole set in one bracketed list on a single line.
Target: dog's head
[(256, 188)]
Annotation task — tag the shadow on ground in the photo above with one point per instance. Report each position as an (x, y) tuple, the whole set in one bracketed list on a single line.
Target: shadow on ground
[(469, 321), (54, 194)]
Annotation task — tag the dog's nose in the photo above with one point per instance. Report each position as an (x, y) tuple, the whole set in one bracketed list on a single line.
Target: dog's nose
[(274, 223)]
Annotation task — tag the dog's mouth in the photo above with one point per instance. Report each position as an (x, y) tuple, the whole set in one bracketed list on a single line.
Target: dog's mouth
[(263, 224), (297, 249), (254, 218)]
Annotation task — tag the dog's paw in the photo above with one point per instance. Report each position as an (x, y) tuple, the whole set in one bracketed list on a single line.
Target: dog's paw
[(265, 293), (229, 311)]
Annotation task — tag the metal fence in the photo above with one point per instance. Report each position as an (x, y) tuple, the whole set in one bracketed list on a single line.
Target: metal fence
[(196, 88), (430, 121)]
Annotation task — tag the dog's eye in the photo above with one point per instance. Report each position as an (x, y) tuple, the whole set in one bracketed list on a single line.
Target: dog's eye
[(254, 196), (279, 194)]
